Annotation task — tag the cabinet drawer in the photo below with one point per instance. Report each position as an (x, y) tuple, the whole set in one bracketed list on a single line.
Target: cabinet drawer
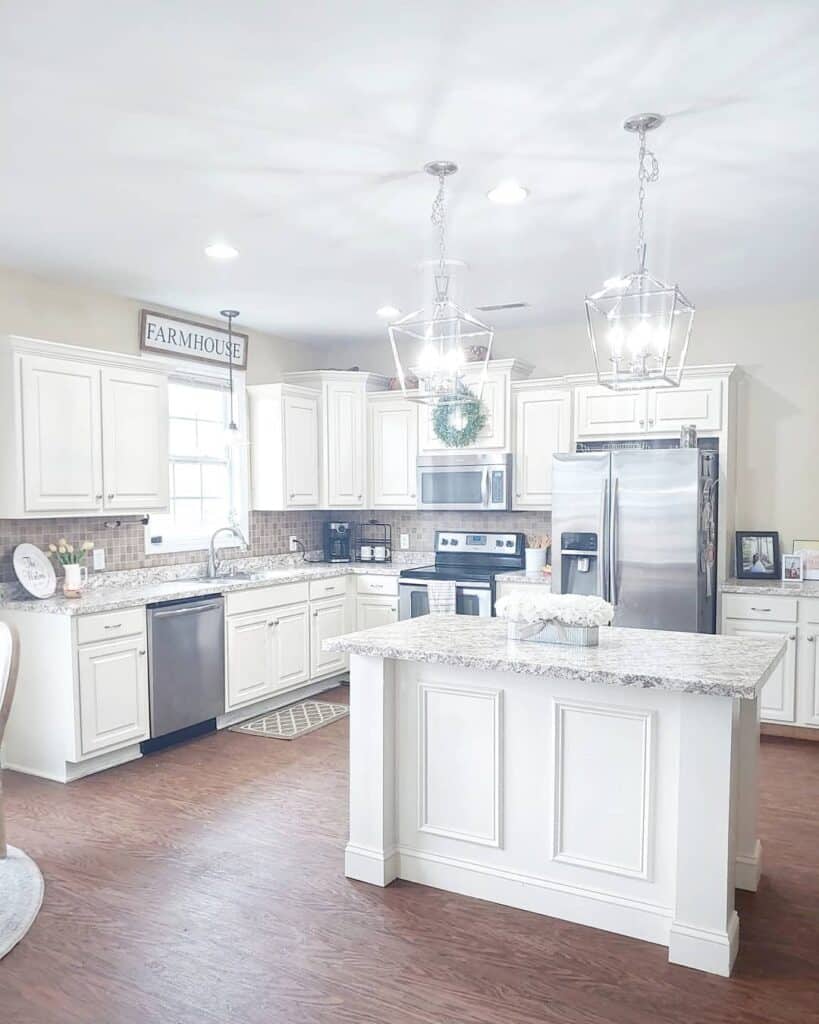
[(749, 606), (110, 625), (258, 598), (336, 586), (385, 585)]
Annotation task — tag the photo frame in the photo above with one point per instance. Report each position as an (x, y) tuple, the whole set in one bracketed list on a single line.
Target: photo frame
[(793, 567), (809, 550), (757, 555)]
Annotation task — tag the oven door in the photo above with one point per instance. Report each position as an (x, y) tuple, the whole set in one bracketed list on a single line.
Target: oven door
[(470, 599), (412, 600), (464, 482)]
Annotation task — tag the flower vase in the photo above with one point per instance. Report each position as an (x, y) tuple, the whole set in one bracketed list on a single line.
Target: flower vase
[(74, 580), (535, 559)]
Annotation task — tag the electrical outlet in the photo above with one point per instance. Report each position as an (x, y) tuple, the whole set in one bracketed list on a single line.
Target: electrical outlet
[(294, 543), (405, 542), (98, 559)]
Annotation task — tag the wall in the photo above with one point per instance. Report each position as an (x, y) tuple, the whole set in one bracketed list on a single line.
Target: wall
[(421, 526), (778, 397)]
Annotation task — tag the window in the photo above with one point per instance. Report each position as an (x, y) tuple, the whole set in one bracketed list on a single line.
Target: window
[(207, 478)]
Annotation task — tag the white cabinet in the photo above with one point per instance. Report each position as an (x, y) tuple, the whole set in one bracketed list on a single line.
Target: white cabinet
[(393, 447), (372, 611), (777, 700), (345, 443), (113, 694), (600, 411), (542, 427), (62, 447), (268, 651), (285, 449), (134, 439), (698, 401), (808, 664), (328, 618), (291, 647)]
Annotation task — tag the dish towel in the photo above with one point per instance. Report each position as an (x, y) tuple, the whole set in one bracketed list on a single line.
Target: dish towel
[(441, 597)]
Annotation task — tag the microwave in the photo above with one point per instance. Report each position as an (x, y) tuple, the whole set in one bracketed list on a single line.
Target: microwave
[(465, 481)]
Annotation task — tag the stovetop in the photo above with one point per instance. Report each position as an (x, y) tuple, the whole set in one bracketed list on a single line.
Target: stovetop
[(447, 572), (471, 557)]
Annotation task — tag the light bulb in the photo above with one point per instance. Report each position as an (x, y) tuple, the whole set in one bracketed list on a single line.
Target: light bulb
[(429, 358)]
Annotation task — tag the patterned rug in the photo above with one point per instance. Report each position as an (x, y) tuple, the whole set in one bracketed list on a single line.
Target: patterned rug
[(294, 721), (21, 894)]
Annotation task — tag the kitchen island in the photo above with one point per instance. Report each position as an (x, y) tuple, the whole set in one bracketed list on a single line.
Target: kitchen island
[(613, 786)]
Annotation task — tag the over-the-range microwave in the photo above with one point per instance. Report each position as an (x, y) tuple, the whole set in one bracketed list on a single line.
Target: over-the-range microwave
[(465, 481)]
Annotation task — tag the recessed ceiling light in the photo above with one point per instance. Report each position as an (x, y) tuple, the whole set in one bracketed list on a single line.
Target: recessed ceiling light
[(221, 251), (507, 193), (388, 312)]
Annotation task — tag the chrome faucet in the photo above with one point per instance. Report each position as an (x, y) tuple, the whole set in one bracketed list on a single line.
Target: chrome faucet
[(213, 572)]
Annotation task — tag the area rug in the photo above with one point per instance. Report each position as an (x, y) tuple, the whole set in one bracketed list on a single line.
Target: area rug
[(21, 896), (294, 721)]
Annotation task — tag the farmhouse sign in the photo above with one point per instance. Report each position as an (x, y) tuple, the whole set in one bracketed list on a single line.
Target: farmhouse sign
[(174, 336)]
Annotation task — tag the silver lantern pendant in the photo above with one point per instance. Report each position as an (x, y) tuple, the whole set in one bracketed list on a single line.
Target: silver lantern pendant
[(639, 327)]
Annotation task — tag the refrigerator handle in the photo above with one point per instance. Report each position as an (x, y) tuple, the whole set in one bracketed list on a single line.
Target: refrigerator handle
[(613, 541), (603, 542)]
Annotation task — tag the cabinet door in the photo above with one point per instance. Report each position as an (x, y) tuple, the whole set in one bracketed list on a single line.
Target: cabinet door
[(250, 671), (291, 646), (493, 434), (345, 444), (393, 453), (808, 670), (599, 411), (698, 402), (776, 702), (301, 451), (328, 618), (542, 427), (134, 439), (376, 611), (113, 688), (62, 460)]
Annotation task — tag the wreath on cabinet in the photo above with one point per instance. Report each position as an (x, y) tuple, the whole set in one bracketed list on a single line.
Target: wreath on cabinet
[(457, 424)]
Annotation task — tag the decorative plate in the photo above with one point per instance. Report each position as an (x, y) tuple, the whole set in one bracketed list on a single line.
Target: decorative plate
[(34, 570)]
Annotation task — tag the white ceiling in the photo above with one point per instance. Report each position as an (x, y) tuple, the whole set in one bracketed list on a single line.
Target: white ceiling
[(134, 134)]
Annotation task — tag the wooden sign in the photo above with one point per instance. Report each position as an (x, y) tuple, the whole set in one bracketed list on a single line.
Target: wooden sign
[(188, 339)]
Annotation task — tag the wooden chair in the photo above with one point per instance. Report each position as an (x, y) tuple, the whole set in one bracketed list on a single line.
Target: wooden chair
[(9, 662)]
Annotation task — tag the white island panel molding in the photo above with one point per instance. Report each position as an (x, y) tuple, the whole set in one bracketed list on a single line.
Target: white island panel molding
[(614, 786)]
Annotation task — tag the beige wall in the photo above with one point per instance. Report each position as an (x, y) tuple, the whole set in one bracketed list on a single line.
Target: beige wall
[(38, 308), (776, 348)]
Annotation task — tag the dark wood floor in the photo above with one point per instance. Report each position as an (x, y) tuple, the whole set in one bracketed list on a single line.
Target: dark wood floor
[(204, 885)]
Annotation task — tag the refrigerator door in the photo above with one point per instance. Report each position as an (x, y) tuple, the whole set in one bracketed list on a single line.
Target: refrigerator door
[(654, 538), (580, 518)]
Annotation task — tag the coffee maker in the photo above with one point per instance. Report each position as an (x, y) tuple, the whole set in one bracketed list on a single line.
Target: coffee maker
[(337, 542)]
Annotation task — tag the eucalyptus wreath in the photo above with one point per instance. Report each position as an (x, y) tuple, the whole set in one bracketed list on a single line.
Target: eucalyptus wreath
[(458, 424)]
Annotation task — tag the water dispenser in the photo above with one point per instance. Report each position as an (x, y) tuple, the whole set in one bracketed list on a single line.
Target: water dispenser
[(578, 559)]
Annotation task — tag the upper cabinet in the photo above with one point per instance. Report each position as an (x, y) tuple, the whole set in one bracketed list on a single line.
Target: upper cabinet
[(393, 445), (542, 427), (86, 435), (285, 462)]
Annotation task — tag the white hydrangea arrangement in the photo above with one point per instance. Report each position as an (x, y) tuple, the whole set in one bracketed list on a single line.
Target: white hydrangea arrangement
[(565, 609)]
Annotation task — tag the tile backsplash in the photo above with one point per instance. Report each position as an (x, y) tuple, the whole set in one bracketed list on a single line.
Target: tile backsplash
[(269, 532)]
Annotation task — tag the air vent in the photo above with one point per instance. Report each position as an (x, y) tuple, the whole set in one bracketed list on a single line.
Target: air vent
[(502, 305)]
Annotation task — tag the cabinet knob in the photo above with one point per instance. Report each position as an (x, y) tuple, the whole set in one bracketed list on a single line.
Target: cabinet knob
[(642, 423), (651, 423), (98, 497), (273, 622), (292, 494), (315, 615), (393, 609), (110, 496), (143, 652), (792, 636), (811, 639)]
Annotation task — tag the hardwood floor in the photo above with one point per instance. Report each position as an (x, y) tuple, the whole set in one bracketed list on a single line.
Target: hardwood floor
[(204, 884)]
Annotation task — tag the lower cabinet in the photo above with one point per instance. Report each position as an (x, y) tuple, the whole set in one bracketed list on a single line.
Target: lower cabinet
[(778, 698), (113, 693), (372, 611), (267, 651), (328, 618)]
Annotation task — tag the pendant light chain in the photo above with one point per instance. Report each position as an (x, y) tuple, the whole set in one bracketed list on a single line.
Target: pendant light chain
[(438, 219), (648, 171)]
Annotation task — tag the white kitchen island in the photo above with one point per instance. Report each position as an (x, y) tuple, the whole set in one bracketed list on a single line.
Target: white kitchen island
[(613, 786)]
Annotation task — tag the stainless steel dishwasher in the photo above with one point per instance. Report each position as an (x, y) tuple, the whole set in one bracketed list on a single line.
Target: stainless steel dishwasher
[(186, 668)]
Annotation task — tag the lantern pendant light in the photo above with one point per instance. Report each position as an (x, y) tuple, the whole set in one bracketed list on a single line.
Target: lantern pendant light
[(639, 327), (233, 435), (434, 348)]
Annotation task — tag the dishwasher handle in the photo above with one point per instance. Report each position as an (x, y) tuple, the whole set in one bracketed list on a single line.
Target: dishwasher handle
[(190, 609)]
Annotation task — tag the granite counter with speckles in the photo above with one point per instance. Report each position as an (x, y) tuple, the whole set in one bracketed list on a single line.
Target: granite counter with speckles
[(685, 662)]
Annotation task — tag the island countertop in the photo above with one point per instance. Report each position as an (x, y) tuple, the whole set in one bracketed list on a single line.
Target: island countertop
[(718, 665)]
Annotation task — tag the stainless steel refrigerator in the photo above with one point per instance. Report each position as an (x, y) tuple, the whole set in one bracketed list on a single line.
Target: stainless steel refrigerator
[(639, 528)]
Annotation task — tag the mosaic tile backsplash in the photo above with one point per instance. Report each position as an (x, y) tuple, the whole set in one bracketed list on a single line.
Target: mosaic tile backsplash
[(269, 532)]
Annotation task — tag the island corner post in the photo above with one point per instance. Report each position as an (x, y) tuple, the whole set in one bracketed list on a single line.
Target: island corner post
[(630, 806)]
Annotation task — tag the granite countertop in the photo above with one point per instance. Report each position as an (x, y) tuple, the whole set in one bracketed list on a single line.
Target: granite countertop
[(521, 576), (145, 589), (778, 588), (720, 666)]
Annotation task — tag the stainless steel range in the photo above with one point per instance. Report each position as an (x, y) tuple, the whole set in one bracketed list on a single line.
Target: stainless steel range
[(472, 560)]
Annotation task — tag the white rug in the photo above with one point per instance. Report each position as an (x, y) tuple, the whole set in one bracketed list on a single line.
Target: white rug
[(21, 896), (297, 720)]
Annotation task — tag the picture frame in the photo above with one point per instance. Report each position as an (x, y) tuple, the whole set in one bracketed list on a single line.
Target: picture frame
[(793, 567), (809, 550), (758, 555)]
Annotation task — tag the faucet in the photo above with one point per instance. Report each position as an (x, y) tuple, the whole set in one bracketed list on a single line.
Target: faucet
[(212, 567)]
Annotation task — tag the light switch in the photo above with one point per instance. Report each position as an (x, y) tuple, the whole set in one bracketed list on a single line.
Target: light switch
[(98, 559), (405, 542)]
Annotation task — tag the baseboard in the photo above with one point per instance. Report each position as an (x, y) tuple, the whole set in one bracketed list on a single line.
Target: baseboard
[(370, 866), (748, 868), (646, 921), (74, 770), (791, 732), (277, 700), (705, 950)]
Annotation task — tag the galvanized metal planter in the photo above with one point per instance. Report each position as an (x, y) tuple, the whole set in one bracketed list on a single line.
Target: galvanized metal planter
[(544, 632)]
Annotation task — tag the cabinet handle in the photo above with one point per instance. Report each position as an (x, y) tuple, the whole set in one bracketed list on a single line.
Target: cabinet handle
[(113, 625), (110, 497), (393, 609), (759, 609), (273, 622), (315, 615), (142, 653), (642, 423), (292, 494), (651, 423), (98, 497), (811, 639)]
